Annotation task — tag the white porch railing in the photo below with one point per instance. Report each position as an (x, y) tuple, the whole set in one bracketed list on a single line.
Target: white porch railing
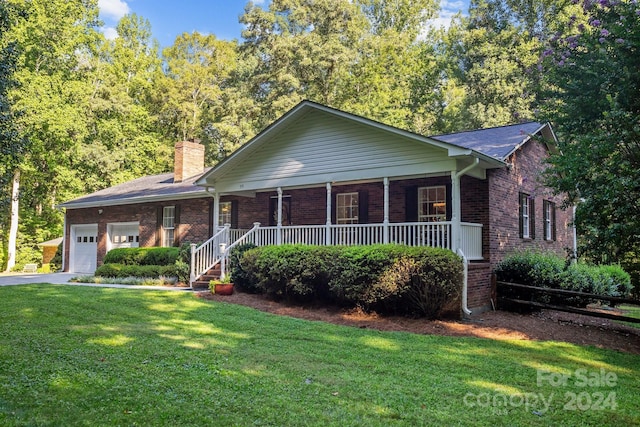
[(436, 234)]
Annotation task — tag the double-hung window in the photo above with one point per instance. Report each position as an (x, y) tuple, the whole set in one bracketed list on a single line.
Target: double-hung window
[(224, 215), (347, 209), (432, 203), (168, 225), (549, 210), (527, 216)]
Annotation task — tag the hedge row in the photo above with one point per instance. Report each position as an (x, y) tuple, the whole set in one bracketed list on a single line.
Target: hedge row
[(142, 256), (386, 278), (550, 271), (123, 270)]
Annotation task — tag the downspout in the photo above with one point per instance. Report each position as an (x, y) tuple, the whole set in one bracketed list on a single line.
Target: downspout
[(465, 285)]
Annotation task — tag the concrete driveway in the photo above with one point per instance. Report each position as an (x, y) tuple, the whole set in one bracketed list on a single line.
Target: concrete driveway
[(9, 279)]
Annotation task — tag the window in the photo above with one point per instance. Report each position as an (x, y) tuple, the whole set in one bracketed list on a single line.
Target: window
[(527, 218), (168, 225), (224, 216), (549, 209), (432, 204), (347, 208)]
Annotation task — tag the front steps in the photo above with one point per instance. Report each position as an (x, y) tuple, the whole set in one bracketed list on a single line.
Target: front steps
[(203, 282)]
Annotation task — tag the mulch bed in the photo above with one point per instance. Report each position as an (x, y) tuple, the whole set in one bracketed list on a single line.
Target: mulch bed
[(544, 325)]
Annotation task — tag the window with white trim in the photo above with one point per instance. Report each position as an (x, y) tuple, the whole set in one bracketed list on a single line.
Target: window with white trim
[(527, 218), (432, 204), (168, 225), (224, 215), (549, 220), (347, 208)]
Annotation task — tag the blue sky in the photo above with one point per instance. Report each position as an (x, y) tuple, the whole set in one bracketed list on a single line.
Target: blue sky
[(169, 18)]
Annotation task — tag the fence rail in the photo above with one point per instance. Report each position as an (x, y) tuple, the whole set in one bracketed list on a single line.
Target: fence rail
[(527, 290)]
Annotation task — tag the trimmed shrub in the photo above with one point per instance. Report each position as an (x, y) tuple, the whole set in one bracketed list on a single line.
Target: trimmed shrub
[(142, 256), (385, 278), (241, 277), (123, 270)]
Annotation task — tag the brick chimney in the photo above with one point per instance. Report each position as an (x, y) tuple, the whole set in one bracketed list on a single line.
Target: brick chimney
[(189, 160)]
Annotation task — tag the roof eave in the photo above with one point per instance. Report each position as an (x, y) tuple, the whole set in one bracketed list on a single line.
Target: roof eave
[(132, 200)]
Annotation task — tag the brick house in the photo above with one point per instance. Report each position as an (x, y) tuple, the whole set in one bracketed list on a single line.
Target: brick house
[(323, 176)]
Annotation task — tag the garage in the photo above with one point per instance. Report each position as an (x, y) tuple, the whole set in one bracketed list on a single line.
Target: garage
[(84, 248), (123, 235)]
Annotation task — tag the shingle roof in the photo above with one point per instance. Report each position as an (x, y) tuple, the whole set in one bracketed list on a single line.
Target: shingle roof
[(497, 142), (145, 189)]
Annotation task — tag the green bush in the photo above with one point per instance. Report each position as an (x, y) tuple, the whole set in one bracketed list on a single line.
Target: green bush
[(293, 272), (142, 256), (385, 278), (123, 270), (240, 276), (548, 270)]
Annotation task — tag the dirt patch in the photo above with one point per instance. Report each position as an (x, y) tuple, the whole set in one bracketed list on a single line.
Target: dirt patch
[(546, 325)]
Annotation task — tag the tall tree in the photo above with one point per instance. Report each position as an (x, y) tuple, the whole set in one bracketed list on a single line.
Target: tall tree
[(55, 38), (301, 48), (123, 140), (11, 145), (198, 72), (595, 106)]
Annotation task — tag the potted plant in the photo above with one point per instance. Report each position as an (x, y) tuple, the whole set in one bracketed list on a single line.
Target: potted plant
[(221, 286)]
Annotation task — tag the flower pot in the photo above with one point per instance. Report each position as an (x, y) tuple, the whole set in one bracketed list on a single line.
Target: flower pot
[(223, 288)]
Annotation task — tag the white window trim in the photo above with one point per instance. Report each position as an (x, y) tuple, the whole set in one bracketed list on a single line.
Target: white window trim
[(526, 218), (421, 202), (171, 228), (347, 220)]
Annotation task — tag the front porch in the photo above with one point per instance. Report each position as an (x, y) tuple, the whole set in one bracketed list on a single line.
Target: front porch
[(440, 234)]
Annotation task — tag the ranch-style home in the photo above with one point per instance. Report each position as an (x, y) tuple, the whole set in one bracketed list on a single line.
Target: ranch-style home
[(322, 176)]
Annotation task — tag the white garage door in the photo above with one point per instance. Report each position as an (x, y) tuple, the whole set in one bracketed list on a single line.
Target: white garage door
[(84, 248), (123, 235)]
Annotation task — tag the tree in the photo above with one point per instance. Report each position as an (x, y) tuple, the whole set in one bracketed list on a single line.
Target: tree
[(196, 91), (301, 50), (123, 140), (594, 103), (55, 40), (11, 145)]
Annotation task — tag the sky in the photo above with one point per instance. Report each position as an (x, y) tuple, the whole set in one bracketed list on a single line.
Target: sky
[(170, 18)]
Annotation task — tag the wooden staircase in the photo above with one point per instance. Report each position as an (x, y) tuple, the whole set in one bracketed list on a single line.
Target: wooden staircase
[(203, 282)]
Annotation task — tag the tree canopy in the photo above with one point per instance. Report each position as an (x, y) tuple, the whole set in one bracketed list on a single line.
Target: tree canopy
[(79, 113)]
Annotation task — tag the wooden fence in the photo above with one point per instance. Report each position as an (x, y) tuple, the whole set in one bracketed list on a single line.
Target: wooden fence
[(521, 295)]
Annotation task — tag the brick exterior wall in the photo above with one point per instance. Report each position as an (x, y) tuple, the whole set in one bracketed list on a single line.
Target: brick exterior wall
[(193, 226), (504, 188), (493, 202)]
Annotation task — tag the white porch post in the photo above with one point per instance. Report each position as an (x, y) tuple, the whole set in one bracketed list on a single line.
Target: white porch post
[(216, 211), (385, 222), (279, 225), (327, 233), (455, 211)]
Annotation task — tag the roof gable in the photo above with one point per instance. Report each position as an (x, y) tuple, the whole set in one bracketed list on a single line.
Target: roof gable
[(314, 144)]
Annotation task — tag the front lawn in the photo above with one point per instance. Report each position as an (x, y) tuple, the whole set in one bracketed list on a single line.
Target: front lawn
[(85, 356)]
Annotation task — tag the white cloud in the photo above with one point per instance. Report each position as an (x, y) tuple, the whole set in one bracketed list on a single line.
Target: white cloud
[(113, 9), (110, 33)]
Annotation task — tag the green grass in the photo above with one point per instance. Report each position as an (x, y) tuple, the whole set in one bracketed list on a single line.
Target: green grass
[(631, 311), (101, 357)]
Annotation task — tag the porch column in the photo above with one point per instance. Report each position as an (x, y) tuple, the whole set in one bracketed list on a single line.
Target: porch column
[(327, 232), (455, 211), (279, 225), (385, 222), (216, 211)]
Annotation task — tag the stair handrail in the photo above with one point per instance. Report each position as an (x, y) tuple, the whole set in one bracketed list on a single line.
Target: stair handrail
[(208, 254), (224, 256)]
